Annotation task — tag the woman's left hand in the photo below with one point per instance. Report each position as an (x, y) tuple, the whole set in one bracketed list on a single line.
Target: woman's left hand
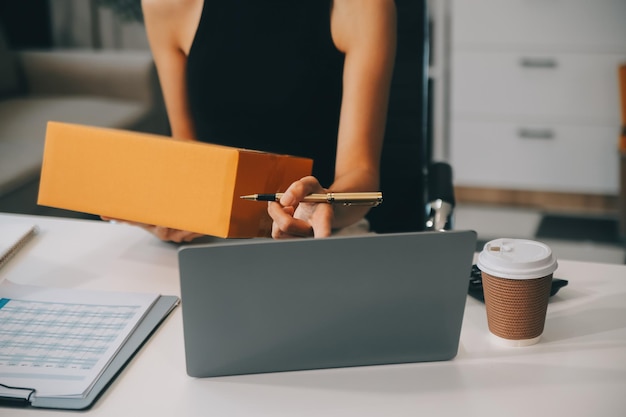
[(293, 218)]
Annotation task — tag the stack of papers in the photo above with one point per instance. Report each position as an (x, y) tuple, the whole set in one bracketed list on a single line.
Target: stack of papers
[(56, 343)]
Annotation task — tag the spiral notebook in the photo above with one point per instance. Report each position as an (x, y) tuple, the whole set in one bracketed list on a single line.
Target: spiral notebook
[(13, 237)]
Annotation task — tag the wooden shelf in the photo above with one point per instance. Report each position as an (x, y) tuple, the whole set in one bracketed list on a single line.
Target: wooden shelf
[(542, 200)]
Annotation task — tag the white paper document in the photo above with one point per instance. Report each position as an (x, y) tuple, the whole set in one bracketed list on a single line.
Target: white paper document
[(57, 342)]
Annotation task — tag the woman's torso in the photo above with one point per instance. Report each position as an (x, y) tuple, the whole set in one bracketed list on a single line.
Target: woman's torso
[(266, 75)]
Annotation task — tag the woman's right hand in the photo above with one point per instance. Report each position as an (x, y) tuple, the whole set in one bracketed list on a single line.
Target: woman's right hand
[(294, 218), (164, 233)]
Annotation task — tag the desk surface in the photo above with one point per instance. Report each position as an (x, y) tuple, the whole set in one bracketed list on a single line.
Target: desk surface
[(577, 369)]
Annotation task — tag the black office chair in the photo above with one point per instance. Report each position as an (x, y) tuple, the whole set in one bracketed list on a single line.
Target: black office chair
[(417, 193)]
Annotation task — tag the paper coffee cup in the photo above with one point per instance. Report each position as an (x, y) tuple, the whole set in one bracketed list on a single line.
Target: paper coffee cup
[(517, 277)]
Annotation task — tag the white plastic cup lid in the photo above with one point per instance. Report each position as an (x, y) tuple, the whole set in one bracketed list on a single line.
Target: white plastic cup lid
[(516, 259)]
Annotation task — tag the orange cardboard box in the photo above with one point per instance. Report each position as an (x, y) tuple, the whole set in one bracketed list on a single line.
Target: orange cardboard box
[(157, 180)]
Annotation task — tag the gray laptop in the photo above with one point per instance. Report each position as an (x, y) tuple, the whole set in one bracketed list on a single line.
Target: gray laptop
[(262, 305)]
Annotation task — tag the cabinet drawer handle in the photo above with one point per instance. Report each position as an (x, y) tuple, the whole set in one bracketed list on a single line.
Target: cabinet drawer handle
[(527, 133), (528, 62)]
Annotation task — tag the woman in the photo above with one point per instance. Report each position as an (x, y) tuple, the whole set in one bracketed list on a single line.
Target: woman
[(308, 78)]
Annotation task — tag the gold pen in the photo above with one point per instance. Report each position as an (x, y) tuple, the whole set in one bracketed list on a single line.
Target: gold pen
[(347, 199)]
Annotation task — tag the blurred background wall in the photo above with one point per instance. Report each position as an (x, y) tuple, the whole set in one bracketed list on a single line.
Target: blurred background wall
[(99, 24)]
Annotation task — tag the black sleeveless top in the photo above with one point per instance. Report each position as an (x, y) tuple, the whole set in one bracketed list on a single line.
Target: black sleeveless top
[(265, 75)]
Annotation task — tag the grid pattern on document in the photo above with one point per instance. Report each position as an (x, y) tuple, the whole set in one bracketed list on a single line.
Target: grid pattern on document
[(58, 335)]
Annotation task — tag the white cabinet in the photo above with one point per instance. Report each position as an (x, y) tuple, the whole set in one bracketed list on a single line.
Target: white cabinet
[(534, 100)]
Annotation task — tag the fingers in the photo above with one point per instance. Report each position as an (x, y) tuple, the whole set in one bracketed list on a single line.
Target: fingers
[(172, 235), (180, 236), (159, 231), (308, 220), (167, 234), (164, 233), (292, 219), (322, 220), (285, 225), (300, 189)]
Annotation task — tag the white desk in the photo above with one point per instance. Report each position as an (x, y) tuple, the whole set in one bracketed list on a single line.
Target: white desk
[(577, 369)]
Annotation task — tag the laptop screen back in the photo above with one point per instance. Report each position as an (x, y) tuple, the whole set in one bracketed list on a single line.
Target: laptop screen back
[(264, 305)]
